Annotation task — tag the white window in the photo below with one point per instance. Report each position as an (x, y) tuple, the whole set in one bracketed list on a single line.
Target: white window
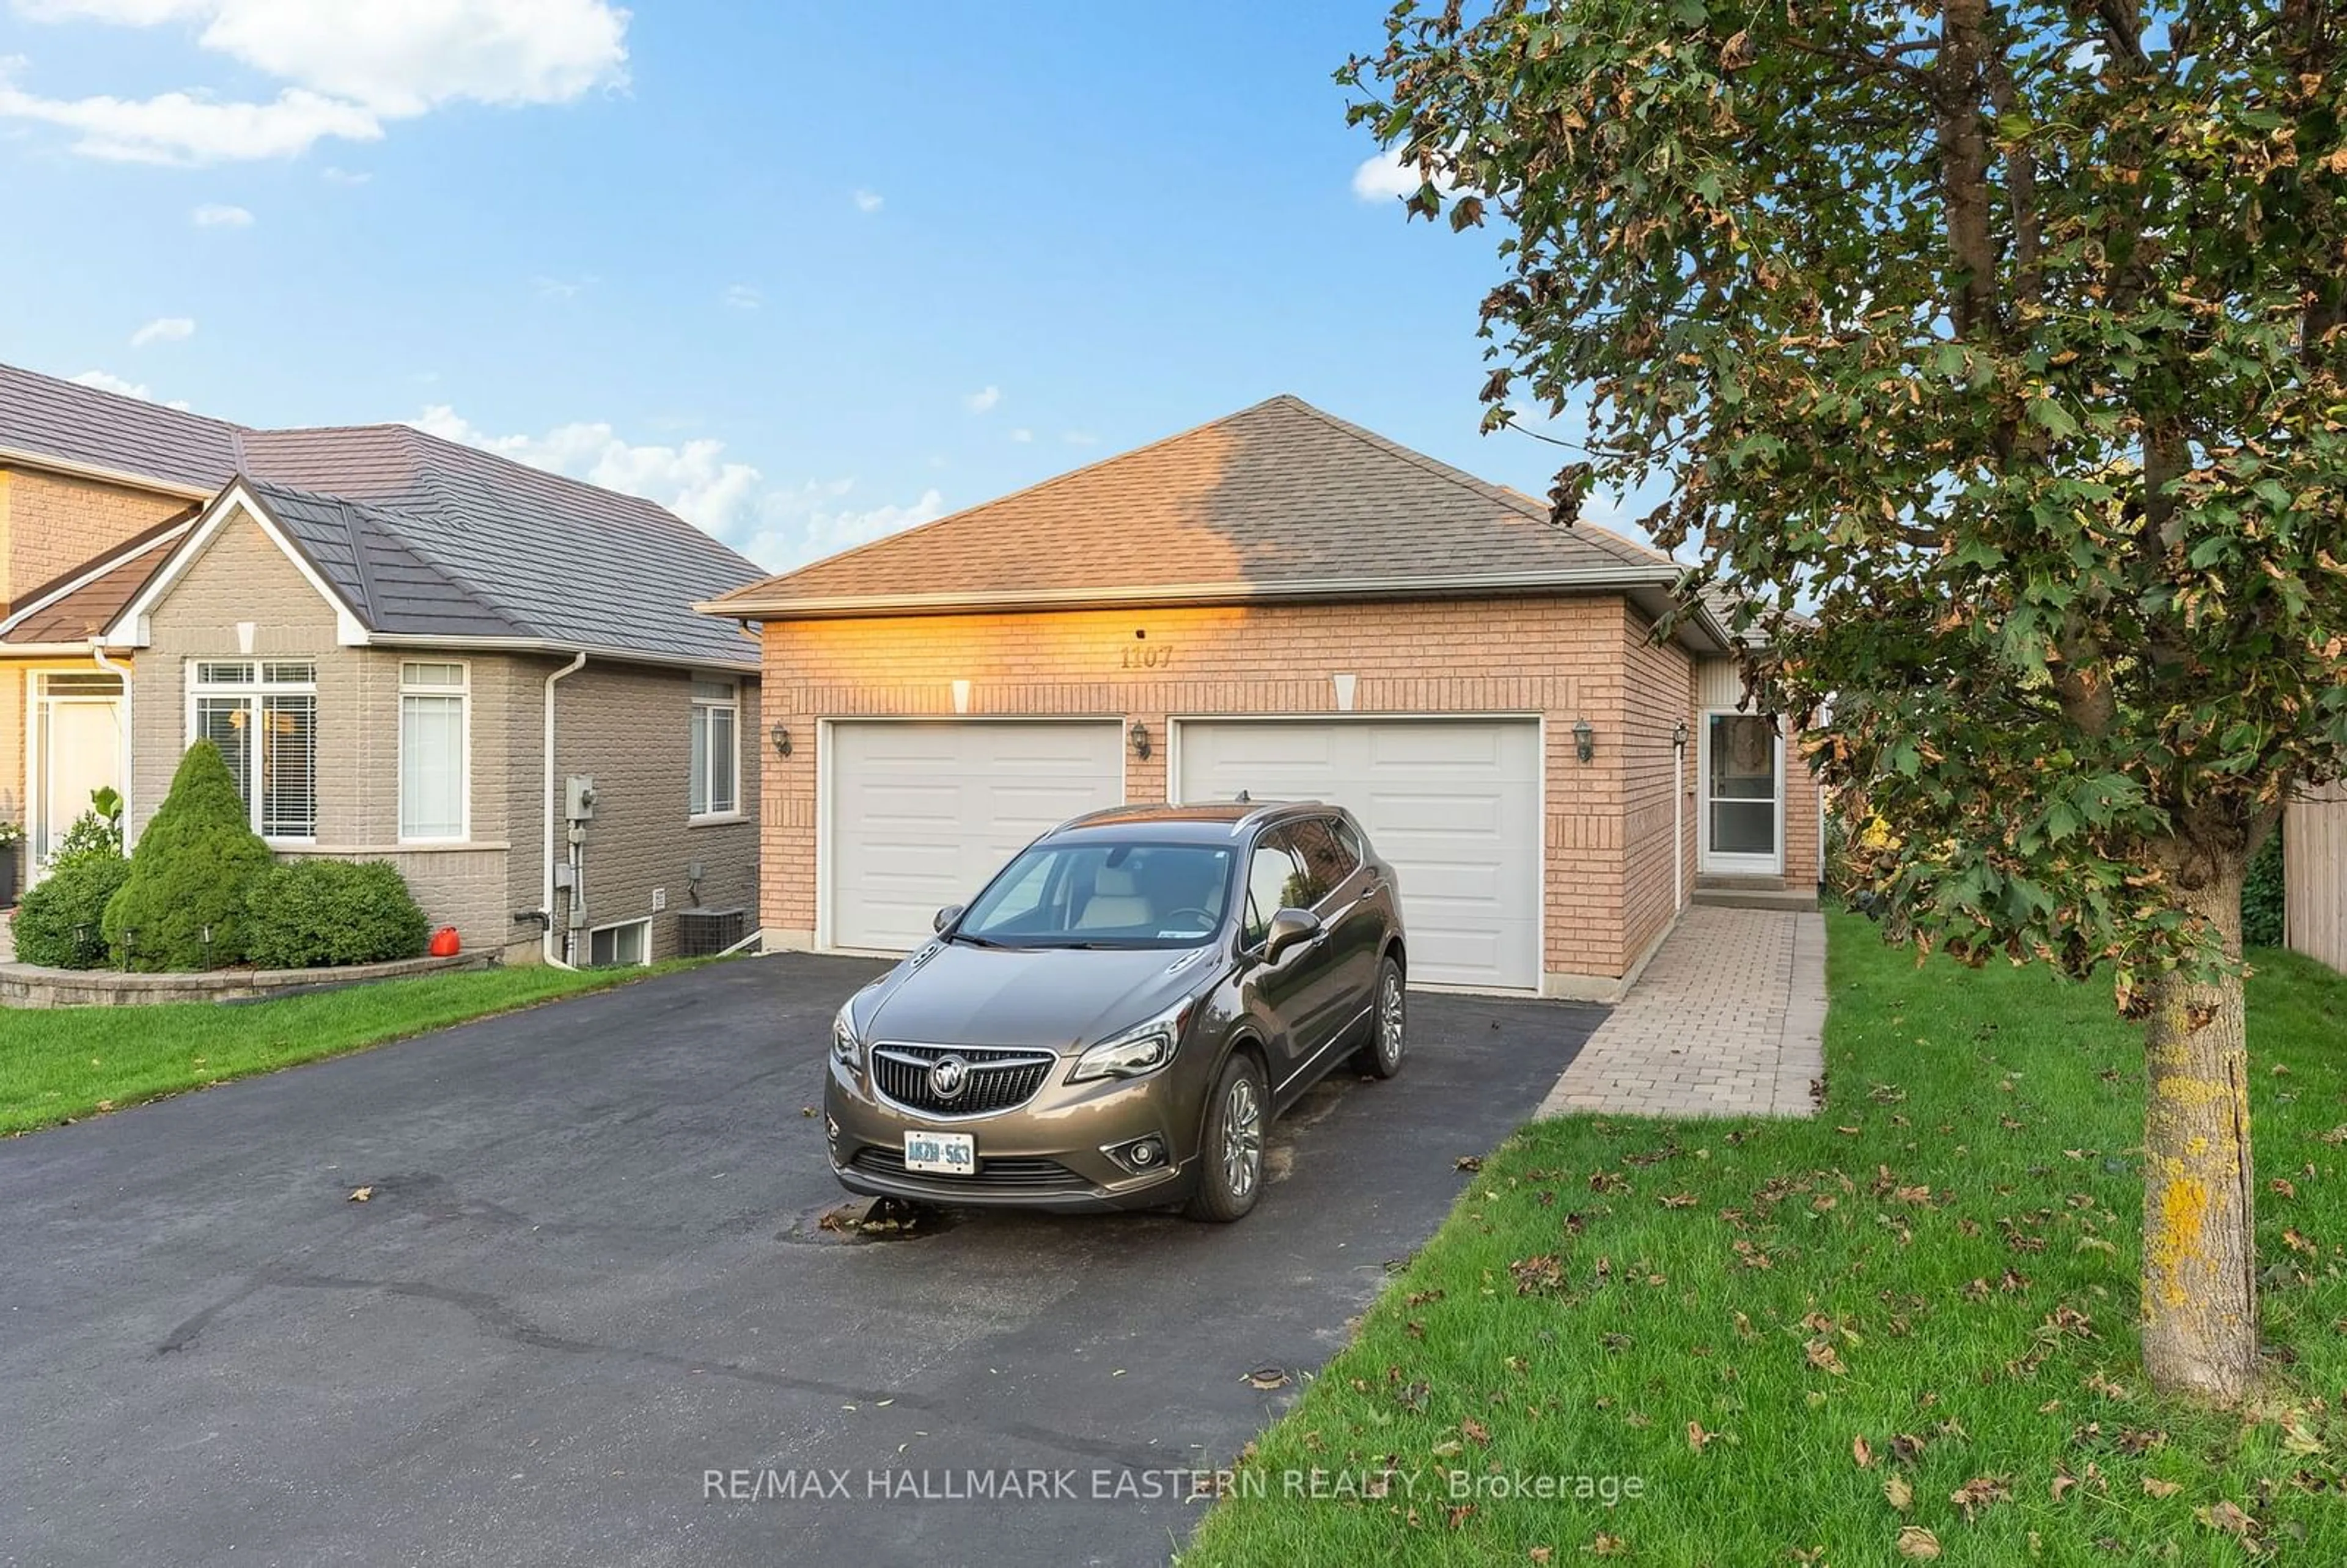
[(610, 947), (433, 764), (716, 787), (262, 714)]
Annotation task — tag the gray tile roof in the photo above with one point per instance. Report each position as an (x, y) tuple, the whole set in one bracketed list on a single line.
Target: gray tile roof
[(98, 429), (1279, 498), (423, 535)]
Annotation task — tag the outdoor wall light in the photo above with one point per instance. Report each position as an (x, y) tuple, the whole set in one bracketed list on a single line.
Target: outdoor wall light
[(781, 741), (1140, 734), (1585, 740), (1679, 735)]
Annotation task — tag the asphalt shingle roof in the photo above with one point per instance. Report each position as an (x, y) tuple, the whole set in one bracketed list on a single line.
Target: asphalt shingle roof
[(1279, 497), (423, 535)]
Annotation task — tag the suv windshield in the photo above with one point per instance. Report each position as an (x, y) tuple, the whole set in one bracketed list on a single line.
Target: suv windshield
[(1092, 894)]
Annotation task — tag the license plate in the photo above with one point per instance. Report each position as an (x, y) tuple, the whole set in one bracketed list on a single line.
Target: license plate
[(944, 1154)]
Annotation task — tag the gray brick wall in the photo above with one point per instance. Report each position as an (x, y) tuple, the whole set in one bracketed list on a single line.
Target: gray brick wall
[(627, 725)]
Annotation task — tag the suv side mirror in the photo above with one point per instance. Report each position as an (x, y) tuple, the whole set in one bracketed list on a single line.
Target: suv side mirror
[(1289, 929), (947, 917)]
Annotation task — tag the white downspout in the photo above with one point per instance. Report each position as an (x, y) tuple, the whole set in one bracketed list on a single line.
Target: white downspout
[(1678, 817), (546, 940), (123, 750)]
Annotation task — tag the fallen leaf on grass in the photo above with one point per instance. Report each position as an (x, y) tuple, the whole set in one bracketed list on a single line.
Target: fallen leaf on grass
[(1822, 1356), (360, 1195), (1862, 1451), (2282, 1187), (1604, 1546), (1896, 1492), (1468, 1162), (1541, 1553), (1979, 1493), (1697, 1438), (2155, 1487), (1474, 1431), (2228, 1518), (1534, 1275), (1918, 1544), (1678, 1201)]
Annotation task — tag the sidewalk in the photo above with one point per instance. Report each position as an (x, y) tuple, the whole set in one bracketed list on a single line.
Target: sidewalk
[(1727, 1021)]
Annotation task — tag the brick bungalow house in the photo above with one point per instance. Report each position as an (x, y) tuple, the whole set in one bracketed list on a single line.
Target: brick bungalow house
[(407, 650), (1283, 603)]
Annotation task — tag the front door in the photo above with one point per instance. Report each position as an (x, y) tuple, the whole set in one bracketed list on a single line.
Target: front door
[(78, 750), (1743, 796)]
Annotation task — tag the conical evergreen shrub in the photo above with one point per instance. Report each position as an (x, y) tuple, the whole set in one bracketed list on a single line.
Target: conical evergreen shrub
[(191, 874)]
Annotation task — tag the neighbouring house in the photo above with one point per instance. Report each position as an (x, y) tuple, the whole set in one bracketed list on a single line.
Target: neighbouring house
[(2314, 873), (1286, 604), (407, 650)]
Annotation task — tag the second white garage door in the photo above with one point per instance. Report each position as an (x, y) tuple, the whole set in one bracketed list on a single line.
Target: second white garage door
[(1453, 805), (920, 814)]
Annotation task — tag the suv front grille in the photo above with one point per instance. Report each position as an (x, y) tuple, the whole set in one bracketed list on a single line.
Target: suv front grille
[(998, 1080), (1017, 1172)]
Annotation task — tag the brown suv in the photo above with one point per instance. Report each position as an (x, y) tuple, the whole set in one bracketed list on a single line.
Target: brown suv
[(1116, 1017)]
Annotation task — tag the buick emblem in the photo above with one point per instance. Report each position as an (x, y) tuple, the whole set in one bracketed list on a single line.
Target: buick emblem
[(948, 1076)]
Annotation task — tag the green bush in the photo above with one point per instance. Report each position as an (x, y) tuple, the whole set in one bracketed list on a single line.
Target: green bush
[(189, 875), (58, 921), (2261, 896), (98, 831), (312, 912)]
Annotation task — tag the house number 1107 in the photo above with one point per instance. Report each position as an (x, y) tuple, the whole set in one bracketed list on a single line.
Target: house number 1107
[(1143, 656)]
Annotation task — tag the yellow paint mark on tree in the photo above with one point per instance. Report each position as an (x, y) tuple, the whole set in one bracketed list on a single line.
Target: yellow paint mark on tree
[(2175, 1236)]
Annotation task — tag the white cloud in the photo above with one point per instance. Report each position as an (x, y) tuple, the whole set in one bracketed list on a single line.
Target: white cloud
[(348, 68), (743, 297), (869, 202), (776, 527), (1385, 177), (334, 176), (164, 329), (559, 287), (983, 400), (218, 215), (804, 525), (106, 382), (1022, 435)]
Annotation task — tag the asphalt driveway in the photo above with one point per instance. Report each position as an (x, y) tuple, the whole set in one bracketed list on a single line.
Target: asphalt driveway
[(590, 1274)]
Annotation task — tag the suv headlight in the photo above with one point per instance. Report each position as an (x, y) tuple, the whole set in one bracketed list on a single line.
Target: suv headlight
[(1144, 1047), (847, 1047)]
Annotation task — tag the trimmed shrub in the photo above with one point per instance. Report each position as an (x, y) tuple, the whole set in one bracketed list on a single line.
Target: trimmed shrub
[(59, 922), (98, 831), (2262, 898), (191, 874), (305, 913)]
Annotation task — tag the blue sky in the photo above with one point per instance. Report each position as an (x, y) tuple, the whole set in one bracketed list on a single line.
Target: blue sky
[(804, 273)]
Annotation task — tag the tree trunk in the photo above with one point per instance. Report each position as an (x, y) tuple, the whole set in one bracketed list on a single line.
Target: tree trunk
[(2199, 1285)]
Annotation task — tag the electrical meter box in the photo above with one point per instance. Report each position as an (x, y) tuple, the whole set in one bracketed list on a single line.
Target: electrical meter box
[(579, 798)]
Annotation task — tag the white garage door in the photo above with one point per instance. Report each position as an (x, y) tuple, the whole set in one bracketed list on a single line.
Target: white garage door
[(1453, 805), (921, 814)]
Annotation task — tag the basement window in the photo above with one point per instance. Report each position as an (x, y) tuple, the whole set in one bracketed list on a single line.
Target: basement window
[(620, 946)]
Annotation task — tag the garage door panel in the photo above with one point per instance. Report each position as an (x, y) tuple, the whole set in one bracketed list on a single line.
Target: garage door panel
[(1453, 805), (921, 814)]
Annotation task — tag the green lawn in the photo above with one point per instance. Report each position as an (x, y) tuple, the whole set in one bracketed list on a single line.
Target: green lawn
[(61, 1063), (1914, 1313)]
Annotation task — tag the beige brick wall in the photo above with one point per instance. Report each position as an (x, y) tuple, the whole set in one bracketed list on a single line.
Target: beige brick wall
[(1566, 658), (629, 726), (1657, 680), (50, 524)]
